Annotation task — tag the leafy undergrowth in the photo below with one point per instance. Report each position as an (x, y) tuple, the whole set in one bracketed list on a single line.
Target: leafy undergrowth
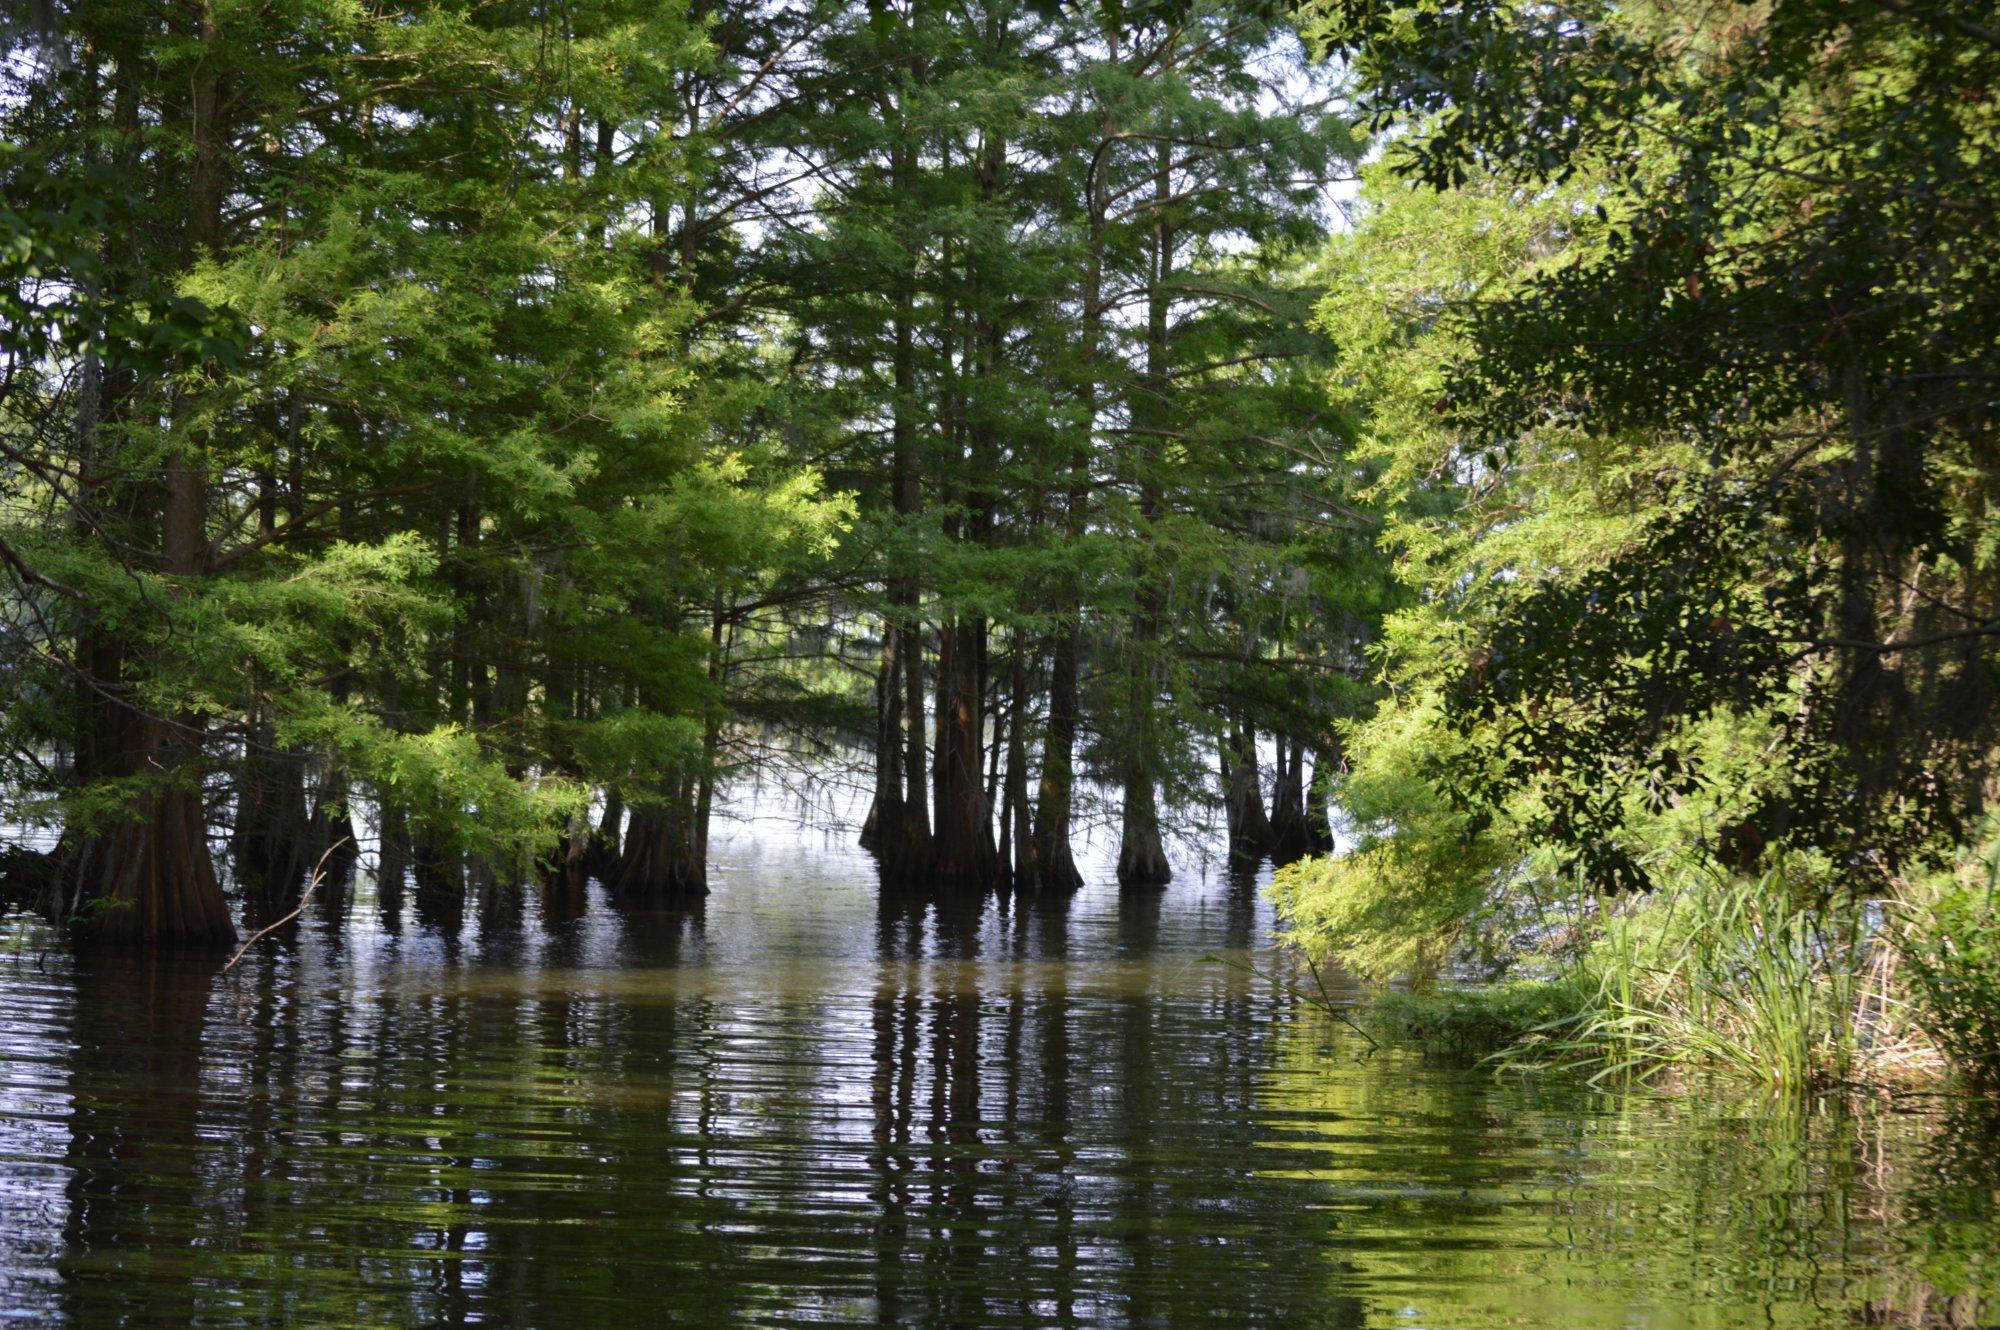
[(1950, 949), (1752, 979), (1470, 1024)]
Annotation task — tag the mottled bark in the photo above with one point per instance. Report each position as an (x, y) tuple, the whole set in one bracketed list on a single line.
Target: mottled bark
[(1243, 797), (662, 862), (1291, 835), (962, 850)]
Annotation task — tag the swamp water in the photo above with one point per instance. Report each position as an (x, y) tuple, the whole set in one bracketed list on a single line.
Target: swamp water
[(810, 1104)]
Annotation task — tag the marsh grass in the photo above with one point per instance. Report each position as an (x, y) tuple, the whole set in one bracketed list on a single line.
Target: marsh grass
[(1778, 979), (1746, 977), (1950, 948), (1469, 1025)]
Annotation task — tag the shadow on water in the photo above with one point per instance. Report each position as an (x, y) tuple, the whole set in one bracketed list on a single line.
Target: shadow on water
[(134, 1154), (810, 1102)]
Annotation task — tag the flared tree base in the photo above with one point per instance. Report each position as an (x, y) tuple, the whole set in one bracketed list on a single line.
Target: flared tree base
[(1055, 872), (659, 867), (902, 853), (147, 881), (1142, 862)]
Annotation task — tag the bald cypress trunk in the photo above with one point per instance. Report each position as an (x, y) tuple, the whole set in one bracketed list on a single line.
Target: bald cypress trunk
[(1055, 797), (392, 858), (269, 844), (566, 877), (1142, 857), (1243, 797), (1056, 794), (1019, 856), (147, 877), (662, 863), (606, 845), (962, 850), (1291, 836), (885, 811), (904, 843), (438, 872)]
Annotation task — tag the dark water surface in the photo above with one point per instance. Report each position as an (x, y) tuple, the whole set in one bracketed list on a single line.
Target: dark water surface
[(807, 1104)]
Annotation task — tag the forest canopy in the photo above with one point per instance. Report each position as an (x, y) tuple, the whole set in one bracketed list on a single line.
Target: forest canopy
[(1674, 336), (481, 432), (1530, 469)]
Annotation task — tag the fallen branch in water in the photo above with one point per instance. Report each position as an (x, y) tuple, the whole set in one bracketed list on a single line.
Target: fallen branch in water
[(305, 898), (1324, 1003)]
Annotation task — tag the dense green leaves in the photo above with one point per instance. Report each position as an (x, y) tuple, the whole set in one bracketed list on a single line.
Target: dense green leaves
[(1673, 332), (468, 427), (1770, 274)]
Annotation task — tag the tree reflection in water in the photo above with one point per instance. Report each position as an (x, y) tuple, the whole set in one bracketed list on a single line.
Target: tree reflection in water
[(813, 1102)]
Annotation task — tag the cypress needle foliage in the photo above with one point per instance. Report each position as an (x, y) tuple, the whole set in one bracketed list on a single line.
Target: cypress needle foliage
[(1672, 333), (480, 433)]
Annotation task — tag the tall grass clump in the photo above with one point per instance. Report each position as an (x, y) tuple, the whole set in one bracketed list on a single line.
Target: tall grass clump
[(1472, 1023), (1950, 945), (1758, 977)]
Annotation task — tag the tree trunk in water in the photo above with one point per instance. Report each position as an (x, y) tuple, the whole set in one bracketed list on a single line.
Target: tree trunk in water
[(330, 838), (561, 866), (392, 862), (1291, 835), (1025, 869), (661, 864), (904, 844), (568, 878), (1250, 836), (885, 811), (270, 844), (1055, 797), (904, 849), (1319, 795), (439, 873), (962, 852), (147, 878), (606, 841), (1142, 859)]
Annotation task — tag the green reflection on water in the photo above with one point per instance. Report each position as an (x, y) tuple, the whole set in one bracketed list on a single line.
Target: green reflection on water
[(809, 1104), (1471, 1201)]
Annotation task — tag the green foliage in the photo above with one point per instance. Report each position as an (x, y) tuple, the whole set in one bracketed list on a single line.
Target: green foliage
[(60, 293), (1472, 1024), (1782, 493), (1663, 328), (492, 411), (458, 482), (1762, 978), (1950, 951), (1416, 890)]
